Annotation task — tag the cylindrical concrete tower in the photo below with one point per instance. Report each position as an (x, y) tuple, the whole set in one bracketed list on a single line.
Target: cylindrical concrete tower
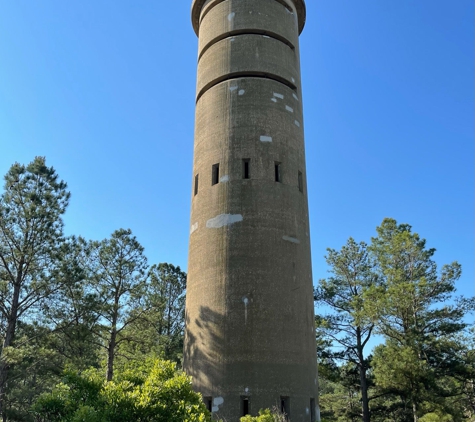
[(250, 339)]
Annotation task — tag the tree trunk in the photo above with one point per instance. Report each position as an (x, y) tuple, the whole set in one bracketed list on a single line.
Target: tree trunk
[(414, 410), (363, 381), (112, 342), (111, 354), (9, 335)]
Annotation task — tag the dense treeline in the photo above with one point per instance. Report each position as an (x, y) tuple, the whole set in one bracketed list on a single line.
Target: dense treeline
[(424, 367), (83, 323), (71, 304)]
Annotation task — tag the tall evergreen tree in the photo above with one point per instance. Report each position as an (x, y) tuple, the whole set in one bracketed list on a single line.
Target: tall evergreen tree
[(31, 232), (118, 266), (418, 316), (348, 323), (166, 303)]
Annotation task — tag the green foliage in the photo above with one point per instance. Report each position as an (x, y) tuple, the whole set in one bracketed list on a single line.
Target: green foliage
[(348, 324), (159, 330), (31, 239), (266, 415), (425, 368), (118, 268), (153, 391), (421, 359)]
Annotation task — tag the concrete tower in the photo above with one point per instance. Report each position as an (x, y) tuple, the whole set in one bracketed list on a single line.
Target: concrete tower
[(250, 340)]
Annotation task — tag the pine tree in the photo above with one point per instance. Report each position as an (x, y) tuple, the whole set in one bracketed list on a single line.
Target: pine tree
[(31, 232)]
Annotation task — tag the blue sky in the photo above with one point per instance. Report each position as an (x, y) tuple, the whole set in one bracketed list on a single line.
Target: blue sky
[(105, 90)]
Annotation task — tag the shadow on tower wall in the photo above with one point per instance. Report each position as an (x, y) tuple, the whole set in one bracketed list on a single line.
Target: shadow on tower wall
[(203, 349)]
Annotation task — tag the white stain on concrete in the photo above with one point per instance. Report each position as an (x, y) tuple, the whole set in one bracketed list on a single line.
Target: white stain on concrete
[(293, 80), (297, 123), (291, 239), (306, 233), (223, 220), (277, 95), (241, 92), (231, 16), (297, 98), (246, 390), (233, 88), (194, 227), (233, 39), (274, 100), (224, 179), (266, 138), (217, 401), (266, 36), (288, 108), (307, 410)]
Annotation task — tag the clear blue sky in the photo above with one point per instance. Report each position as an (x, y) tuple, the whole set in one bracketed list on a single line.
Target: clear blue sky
[(105, 90)]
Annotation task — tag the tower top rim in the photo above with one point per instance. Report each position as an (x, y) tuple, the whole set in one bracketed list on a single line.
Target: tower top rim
[(198, 5)]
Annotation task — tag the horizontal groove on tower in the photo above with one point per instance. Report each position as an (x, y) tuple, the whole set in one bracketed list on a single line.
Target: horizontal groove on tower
[(240, 75), (210, 7), (238, 32)]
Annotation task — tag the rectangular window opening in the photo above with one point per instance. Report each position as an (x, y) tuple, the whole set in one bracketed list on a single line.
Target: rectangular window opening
[(278, 171), (313, 417), (285, 407), (196, 185), (300, 181), (246, 170), (215, 174), (208, 401), (245, 409)]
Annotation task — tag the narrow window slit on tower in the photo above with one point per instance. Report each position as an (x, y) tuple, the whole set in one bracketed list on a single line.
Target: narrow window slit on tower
[(285, 406), (196, 185), (208, 401), (246, 170), (245, 409), (215, 174), (278, 171), (300, 181)]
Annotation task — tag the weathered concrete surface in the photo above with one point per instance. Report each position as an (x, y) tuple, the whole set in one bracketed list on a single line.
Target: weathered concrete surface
[(250, 321), (200, 8)]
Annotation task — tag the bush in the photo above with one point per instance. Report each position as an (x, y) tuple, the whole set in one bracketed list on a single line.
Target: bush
[(266, 415), (152, 392)]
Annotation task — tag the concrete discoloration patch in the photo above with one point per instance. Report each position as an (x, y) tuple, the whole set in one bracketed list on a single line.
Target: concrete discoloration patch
[(288, 108), (277, 95), (274, 100), (231, 16), (233, 88), (295, 96), (223, 220), (224, 179), (241, 92), (194, 227), (217, 401), (266, 138), (291, 239), (297, 123)]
